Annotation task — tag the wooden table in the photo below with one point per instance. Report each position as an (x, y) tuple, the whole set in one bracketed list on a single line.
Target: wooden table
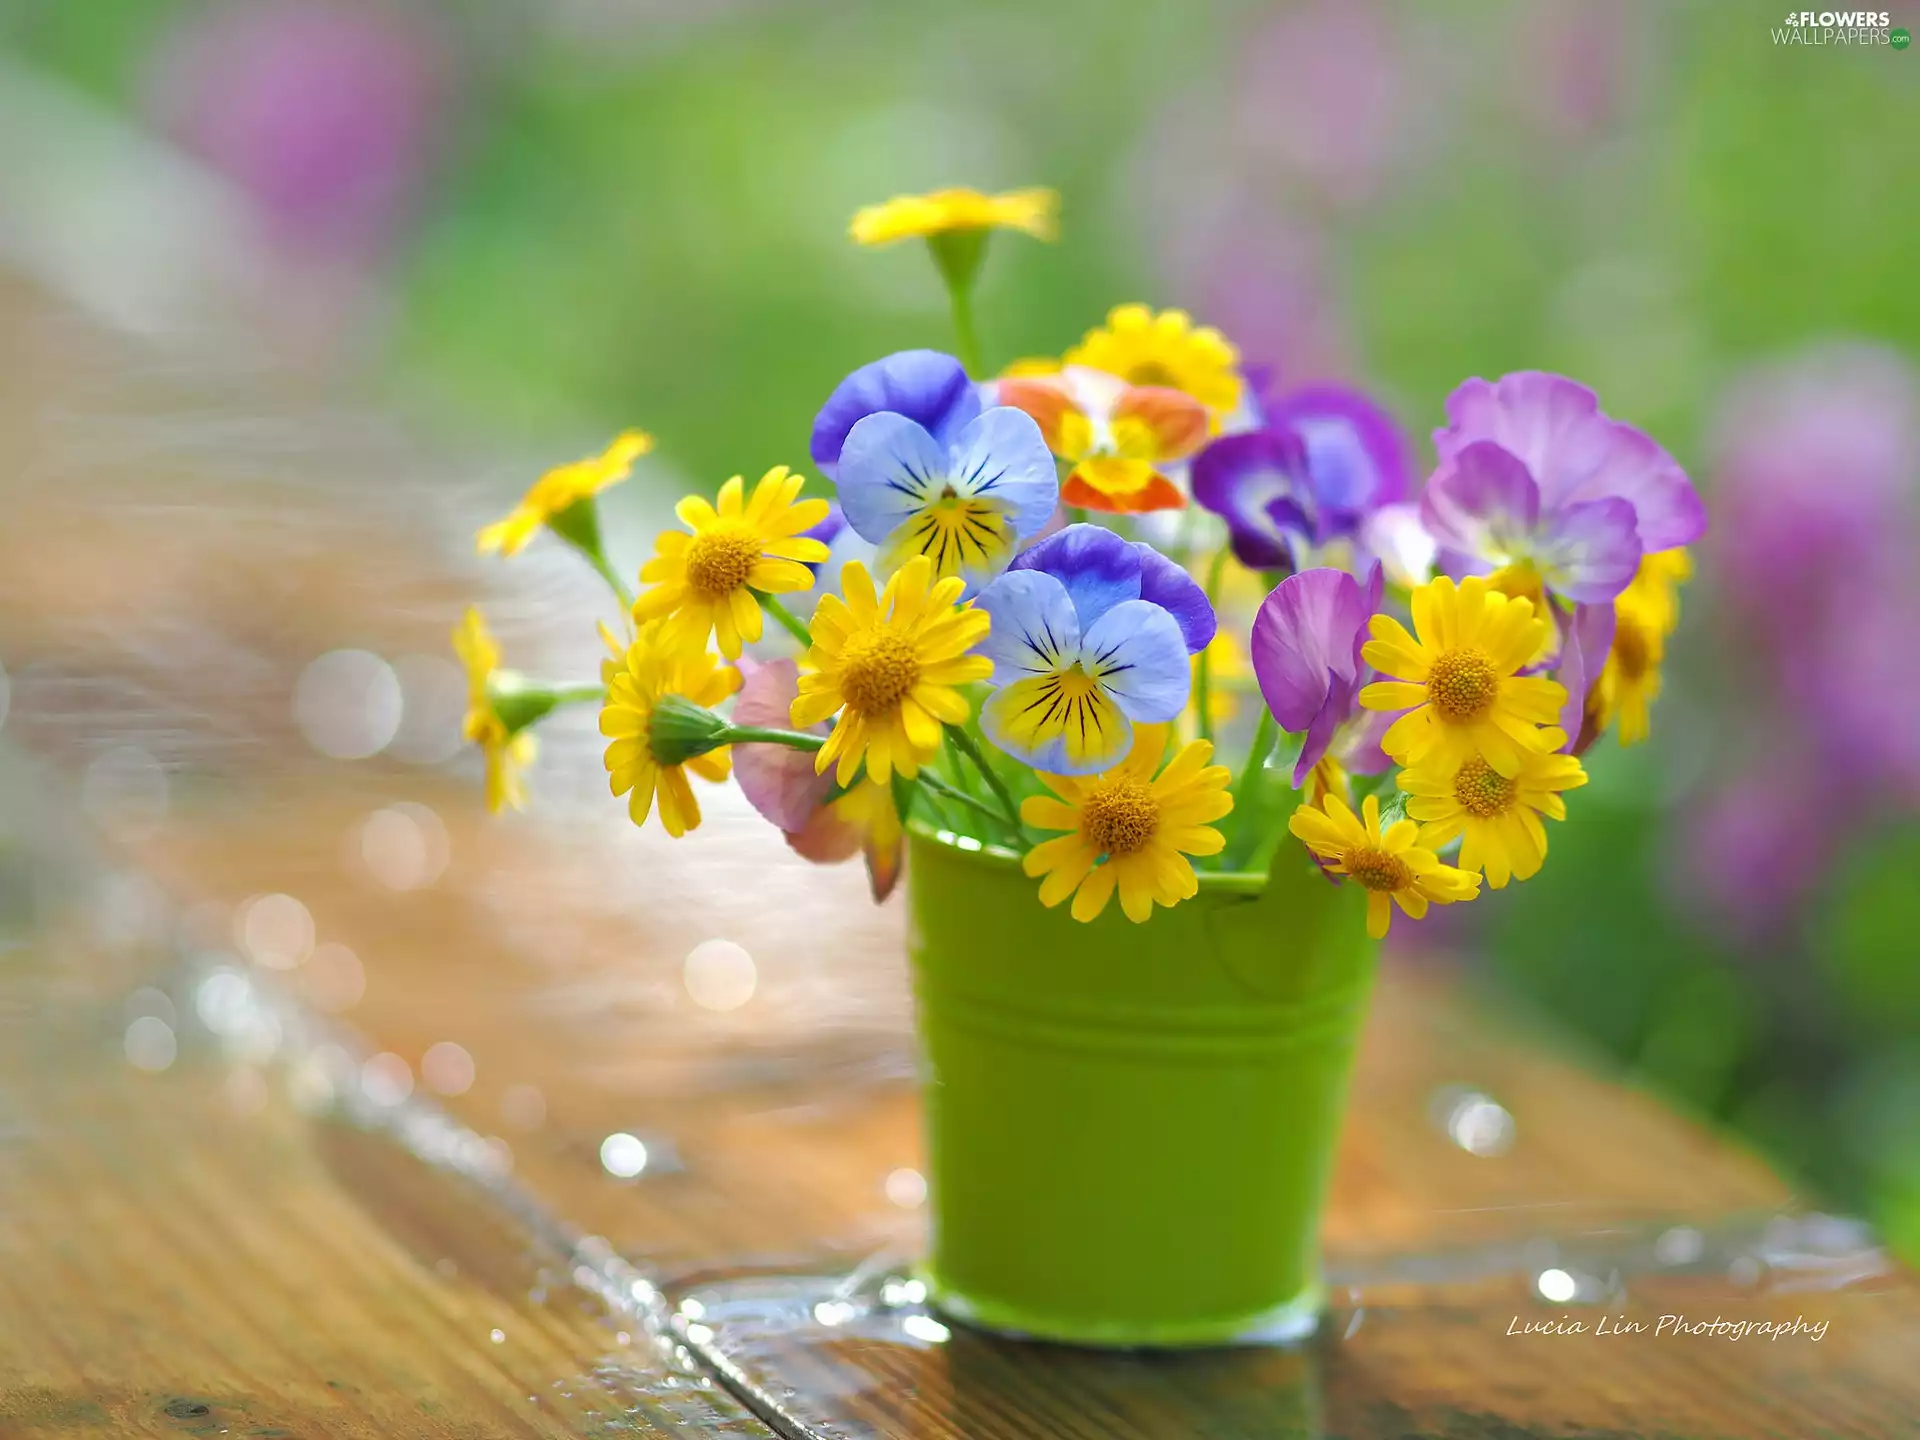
[(271, 1234)]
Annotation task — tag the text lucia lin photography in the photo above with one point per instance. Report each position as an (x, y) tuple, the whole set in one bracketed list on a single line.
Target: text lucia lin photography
[(1131, 612), (1676, 1327)]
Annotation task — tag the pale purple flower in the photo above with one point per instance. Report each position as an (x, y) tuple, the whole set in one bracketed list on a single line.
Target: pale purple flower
[(326, 114), (1533, 473), (1324, 459), (1584, 643), (1306, 657), (1816, 464), (777, 780), (780, 783), (1758, 846), (1819, 458)]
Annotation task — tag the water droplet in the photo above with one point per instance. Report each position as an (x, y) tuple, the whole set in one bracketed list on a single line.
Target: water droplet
[(906, 1188), (1556, 1286), (274, 930), (1682, 1245), (386, 1080), (348, 704), (447, 1068), (719, 975), (433, 692), (1481, 1125), (404, 846), (622, 1155), (149, 1044), (224, 1002), (925, 1327)]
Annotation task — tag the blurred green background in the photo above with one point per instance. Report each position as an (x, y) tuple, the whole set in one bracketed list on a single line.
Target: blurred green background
[(575, 215)]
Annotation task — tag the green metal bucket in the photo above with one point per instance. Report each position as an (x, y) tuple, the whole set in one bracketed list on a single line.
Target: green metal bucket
[(1130, 1127)]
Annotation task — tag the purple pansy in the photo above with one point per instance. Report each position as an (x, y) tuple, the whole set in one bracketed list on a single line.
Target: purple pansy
[(1306, 657), (1533, 473), (1091, 636), (929, 388), (1325, 459)]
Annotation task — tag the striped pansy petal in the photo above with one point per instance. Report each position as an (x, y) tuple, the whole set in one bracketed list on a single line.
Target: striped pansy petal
[(1035, 630), (1062, 723), (1137, 655)]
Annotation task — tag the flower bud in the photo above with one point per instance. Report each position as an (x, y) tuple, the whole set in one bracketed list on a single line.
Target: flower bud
[(678, 730)]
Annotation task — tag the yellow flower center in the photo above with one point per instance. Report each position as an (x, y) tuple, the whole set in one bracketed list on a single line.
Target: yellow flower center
[(1462, 685), (1482, 790), (1631, 652), (1152, 372), (878, 670), (1119, 816), (1375, 869), (719, 560)]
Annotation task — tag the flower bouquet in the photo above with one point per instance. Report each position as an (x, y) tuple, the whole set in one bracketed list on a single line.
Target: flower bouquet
[(1044, 601)]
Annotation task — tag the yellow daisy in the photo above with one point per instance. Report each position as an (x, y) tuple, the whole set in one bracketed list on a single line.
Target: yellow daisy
[(1629, 682), (1128, 829), (1167, 349), (1394, 868), (616, 659), (650, 672), (1328, 777), (1036, 211), (507, 753), (1457, 682), (1499, 816), (559, 490), (888, 666), (1655, 588), (1645, 613), (702, 584)]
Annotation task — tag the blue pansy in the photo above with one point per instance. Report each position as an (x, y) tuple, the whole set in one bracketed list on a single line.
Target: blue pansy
[(926, 386), (1091, 635), (965, 502)]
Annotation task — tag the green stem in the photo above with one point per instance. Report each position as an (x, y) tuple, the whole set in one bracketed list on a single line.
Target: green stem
[(1203, 672), (612, 577), (787, 619), (949, 792), (522, 704), (767, 735), (963, 742), (1244, 787), (579, 526), (966, 341)]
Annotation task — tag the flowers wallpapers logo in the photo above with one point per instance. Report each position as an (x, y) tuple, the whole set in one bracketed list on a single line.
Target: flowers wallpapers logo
[(1839, 27), (1056, 556)]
